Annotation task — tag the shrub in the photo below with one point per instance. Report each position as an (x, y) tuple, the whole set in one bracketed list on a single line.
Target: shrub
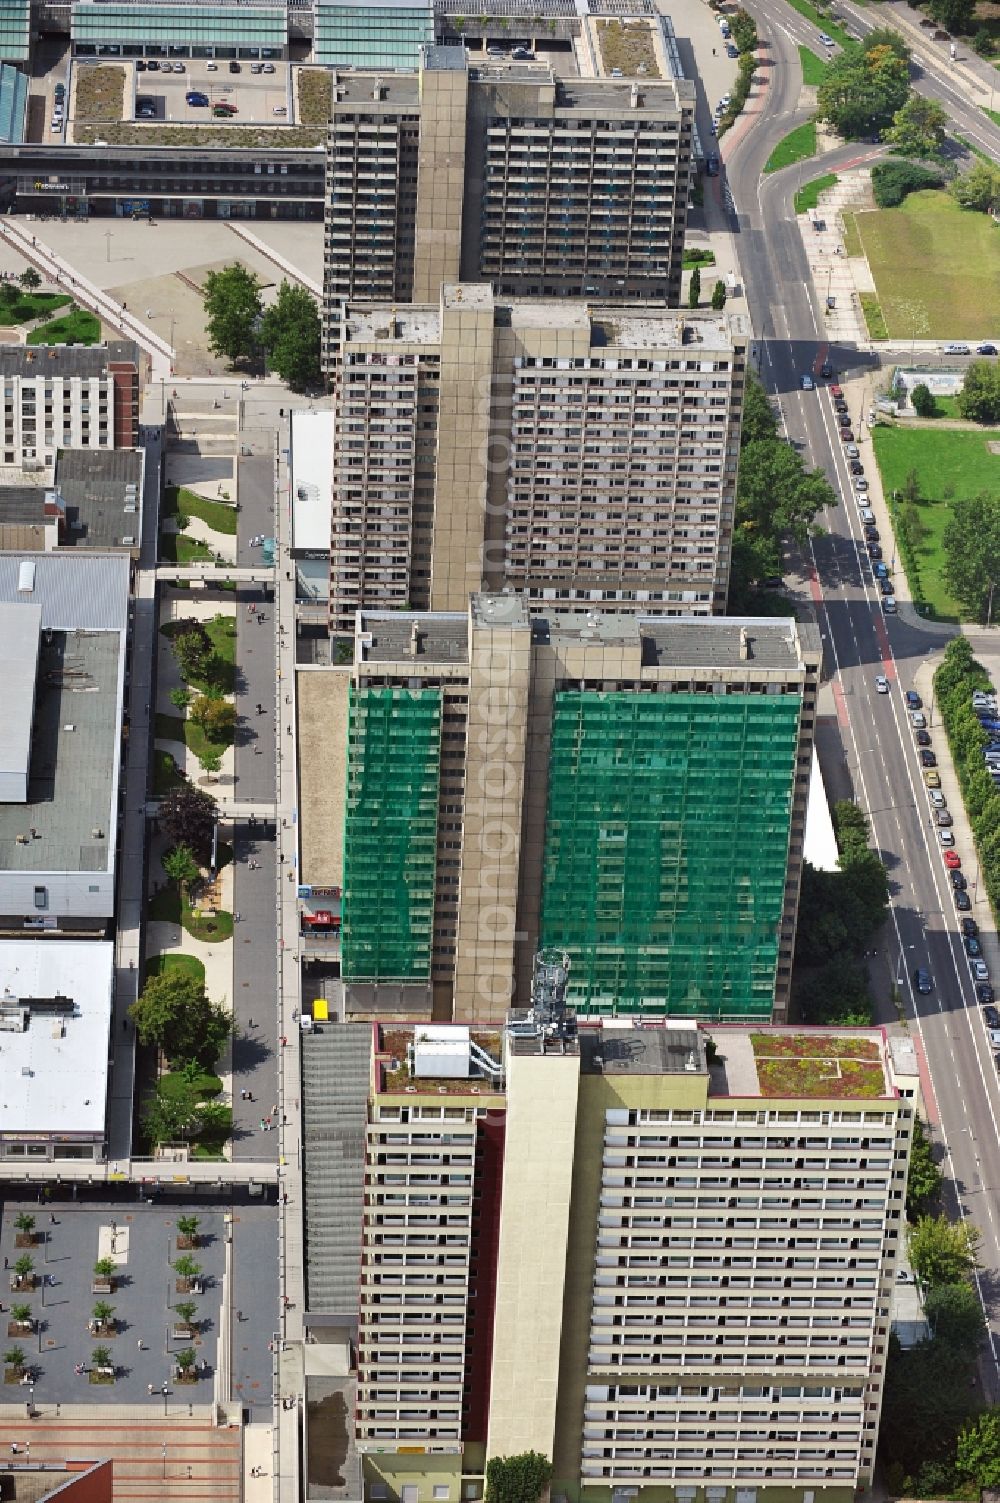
[(923, 401), (892, 181)]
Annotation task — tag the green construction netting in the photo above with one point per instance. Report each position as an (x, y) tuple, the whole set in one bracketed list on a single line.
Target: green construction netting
[(390, 833), (666, 848)]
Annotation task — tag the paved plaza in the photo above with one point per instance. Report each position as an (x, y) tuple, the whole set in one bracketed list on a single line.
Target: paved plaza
[(141, 1239)]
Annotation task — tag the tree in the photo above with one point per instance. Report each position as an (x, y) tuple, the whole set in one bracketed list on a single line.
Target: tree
[(922, 399), (104, 1268), (943, 1251), (24, 1268), (180, 699), (919, 127), (928, 1398), (977, 1454), (836, 995), (24, 1223), (180, 865), (759, 419), (971, 543), (979, 188), (694, 288), (211, 761), (172, 1115), (517, 1479), (955, 1315), (215, 716), (186, 1359), (232, 311), (14, 1357), (186, 1267), (174, 1012), (193, 649), (188, 1226), (186, 1310), (290, 333), (21, 1315), (188, 817), (29, 279), (9, 296), (102, 1314), (979, 399), (100, 1357), (775, 494), (923, 1179), (982, 42), (955, 15), (719, 296), (864, 87)]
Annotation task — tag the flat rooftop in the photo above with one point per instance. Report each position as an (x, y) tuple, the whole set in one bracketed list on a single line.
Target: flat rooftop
[(353, 91), (611, 1048), (20, 629), (64, 359), (443, 637), (718, 643), (392, 1075), (53, 1077), (102, 491), (312, 480), (841, 1064), (74, 759), (76, 592)]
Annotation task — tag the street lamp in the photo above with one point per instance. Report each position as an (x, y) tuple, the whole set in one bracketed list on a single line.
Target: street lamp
[(107, 241), (899, 963)]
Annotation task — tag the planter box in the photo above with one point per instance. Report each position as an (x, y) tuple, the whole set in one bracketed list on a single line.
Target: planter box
[(101, 1375), (183, 1332), (190, 1376), (102, 1286), (13, 1374), (23, 1286), (188, 1286), (20, 1327), (25, 1239), (108, 1328), (188, 1244)]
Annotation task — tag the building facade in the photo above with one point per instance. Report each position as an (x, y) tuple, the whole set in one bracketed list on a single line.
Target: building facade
[(68, 397), (583, 455), (542, 186), (661, 1256), (631, 790)]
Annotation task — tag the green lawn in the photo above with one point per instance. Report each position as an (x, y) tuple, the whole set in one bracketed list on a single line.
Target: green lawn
[(874, 317), (175, 548), (215, 514), (951, 463), (696, 257), (31, 305), (813, 67), (852, 240), (166, 774), (78, 327), (167, 907), (796, 147), (808, 195), (190, 734), (188, 965), (936, 266)]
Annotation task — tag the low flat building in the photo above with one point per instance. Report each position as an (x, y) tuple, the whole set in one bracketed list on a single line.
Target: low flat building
[(55, 1018), (92, 499), (58, 396), (63, 635)]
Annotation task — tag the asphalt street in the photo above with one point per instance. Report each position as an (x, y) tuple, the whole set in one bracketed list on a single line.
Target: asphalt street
[(877, 760)]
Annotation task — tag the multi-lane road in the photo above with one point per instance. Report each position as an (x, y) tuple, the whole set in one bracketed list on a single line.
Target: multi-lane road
[(877, 757)]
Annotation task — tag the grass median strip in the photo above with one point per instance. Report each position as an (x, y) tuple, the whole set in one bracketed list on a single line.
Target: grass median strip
[(874, 317), (821, 22), (797, 146), (813, 67), (808, 195)]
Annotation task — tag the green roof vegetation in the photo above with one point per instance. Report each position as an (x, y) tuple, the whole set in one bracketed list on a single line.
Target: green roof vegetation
[(814, 1065)]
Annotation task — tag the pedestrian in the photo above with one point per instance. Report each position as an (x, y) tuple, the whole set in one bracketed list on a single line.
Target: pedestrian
[(249, 1022), (243, 1095), (13, 1448), (236, 918), (249, 1095), (263, 1127), (149, 1388), (139, 1343), (5, 1263), (52, 1218), (274, 1110)]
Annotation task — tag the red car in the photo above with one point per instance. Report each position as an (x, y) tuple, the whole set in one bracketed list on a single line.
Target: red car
[(835, 391), (952, 860)]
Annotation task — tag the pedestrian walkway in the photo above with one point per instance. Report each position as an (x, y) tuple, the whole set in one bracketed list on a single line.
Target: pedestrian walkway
[(271, 254), (59, 271)]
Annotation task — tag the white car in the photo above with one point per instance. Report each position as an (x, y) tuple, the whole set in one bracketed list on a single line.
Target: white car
[(918, 720), (279, 109), (980, 970), (826, 40), (881, 684), (946, 838), (860, 484), (937, 798), (211, 67)]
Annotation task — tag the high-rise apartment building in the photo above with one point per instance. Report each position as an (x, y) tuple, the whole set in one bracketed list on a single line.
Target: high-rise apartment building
[(67, 397), (542, 186), (584, 455), (629, 789), (662, 1257)]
